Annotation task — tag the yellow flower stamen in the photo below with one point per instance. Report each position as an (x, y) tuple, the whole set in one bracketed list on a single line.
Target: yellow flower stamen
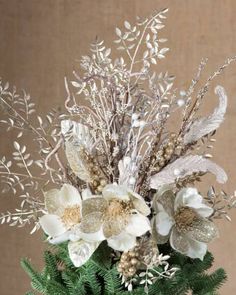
[(71, 215), (117, 208), (184, 218)]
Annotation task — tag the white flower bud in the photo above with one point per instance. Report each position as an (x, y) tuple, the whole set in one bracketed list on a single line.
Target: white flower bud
[(182, 93), (142, 124), (132, 180), (176, 172), (135, 117), (180, 102), (136, 123)]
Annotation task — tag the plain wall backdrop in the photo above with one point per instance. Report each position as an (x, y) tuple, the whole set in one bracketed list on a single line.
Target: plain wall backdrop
[(41, 42)]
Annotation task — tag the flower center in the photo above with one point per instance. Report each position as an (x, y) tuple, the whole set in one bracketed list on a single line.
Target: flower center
[(71, 215), (184, 218), (118, 208)]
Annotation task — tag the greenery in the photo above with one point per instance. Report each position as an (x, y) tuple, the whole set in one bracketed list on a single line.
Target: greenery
[(99, 275)]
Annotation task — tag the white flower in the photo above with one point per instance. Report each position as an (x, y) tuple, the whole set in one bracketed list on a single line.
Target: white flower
[(183, 221), (118, 216), (180, 102), (135, 117), (63, 211), (63, 216)]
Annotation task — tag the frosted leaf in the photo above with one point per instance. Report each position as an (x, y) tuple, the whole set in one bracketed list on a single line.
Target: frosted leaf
[(163, 50), (16, 145), (79, 132), (81, 251), (127, 25), (75, 84), (76, 162), (118, 32)]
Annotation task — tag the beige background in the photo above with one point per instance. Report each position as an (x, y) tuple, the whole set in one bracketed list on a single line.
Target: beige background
[(40, 42)]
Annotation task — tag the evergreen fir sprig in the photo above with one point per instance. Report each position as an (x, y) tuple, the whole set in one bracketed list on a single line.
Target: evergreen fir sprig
[(99, 276), (115, 187)]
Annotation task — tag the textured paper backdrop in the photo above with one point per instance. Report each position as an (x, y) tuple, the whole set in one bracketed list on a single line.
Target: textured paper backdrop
[(40, 43)]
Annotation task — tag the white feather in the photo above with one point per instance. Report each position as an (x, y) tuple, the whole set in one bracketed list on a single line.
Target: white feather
[(186, 166), (206, 125)]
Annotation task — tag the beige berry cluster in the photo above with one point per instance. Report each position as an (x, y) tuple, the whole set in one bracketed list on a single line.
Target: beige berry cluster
[(99, 184), (129, 263), (173, 145), (98, 181)]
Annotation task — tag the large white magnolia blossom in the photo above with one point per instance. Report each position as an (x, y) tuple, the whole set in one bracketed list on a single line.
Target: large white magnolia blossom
[(63, 214), (118, 215), (183, 220)]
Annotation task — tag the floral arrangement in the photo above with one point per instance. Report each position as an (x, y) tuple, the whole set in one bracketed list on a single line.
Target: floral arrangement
[(112, 170)]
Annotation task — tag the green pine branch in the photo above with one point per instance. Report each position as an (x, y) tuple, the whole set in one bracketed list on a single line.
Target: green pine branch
[(99, 276)]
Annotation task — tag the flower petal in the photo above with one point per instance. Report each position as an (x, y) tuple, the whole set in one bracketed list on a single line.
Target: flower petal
[(139, 203), (204, 210), (197, 249), (76, 234), (69, 195), (81, 251), (52, 202), (183, 244), (93, 237), (178, 241), (60, 239), (122, 242), (52, 225), (166, 198), (112, 191), (86, 194), (91, 223), (94, 204), (138, 225), (164, 223), (204, 231), (190, 197), (115, 226), (159, 239), (187, 196)]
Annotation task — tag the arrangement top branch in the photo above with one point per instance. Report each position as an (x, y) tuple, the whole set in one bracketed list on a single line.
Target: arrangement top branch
[(118, 173)]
